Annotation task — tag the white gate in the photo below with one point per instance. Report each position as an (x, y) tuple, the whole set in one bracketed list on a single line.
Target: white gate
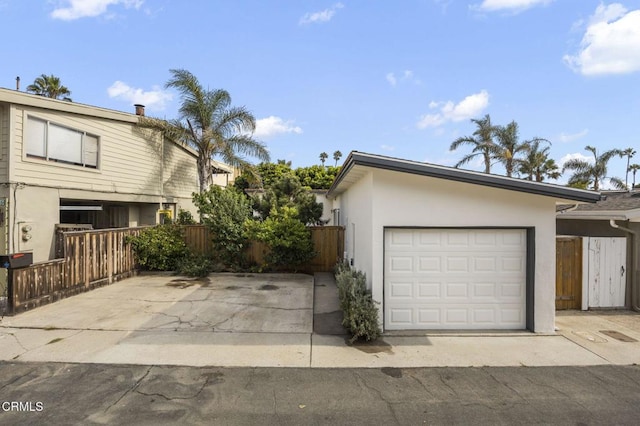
[(604, 272)]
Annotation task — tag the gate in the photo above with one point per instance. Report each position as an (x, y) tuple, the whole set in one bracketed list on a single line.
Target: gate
[(568, 273)]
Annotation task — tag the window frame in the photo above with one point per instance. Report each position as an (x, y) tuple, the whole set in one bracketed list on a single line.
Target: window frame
[(86, 140)]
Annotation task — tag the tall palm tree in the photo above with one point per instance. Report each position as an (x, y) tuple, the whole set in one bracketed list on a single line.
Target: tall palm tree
[(508, 146), (481, 141), (323, 157), (211, 126), (336, 156), (50, 87), (537, 164), (629, 152), (633, 169), (593, 174)]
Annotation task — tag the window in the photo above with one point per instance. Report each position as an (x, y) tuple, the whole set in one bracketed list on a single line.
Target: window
[(61, 144)]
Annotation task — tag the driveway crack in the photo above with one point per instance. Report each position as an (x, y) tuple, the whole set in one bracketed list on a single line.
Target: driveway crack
[(363, 383), (133, 388)]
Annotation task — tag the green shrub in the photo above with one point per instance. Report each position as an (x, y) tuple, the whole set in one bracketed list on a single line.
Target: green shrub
[(288, 239), (360, 314), (161, 248), (196, 266), (185, 218), (224, 211)]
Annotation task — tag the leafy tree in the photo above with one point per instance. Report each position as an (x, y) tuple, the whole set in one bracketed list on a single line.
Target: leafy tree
[(288, 239), (317, 177), (336, 156), (593, 174), (481, 141), (50, 87), (508, 146), (629, 153), (224, 211), (323, 157), (210, 125), (537, 164), (633, 169), (288, 192)]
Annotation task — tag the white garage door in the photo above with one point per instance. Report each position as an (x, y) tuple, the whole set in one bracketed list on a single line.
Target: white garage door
[(455, 279)]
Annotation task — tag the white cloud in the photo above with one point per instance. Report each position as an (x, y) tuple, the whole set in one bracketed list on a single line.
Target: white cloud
[(510, 5), (570, 137), (76, 9), (272, 126), (574, 156), (405, 76), (611, 43), (154, 99), (469, 107), (322, 16), (392, 79)]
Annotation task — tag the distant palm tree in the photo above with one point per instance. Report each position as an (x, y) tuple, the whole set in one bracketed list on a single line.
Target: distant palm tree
[(537, 164), (211, 126), (629, 152), (336, 156), (508, 146), (633, 169), (323, 157), (481, 141), (586, 173), (49, 86)]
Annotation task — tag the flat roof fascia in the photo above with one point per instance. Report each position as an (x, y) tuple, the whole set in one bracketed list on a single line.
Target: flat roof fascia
[(441, 172)]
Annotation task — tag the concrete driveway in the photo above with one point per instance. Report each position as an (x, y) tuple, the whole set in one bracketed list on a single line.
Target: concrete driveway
[(280, 320), (224, 319)]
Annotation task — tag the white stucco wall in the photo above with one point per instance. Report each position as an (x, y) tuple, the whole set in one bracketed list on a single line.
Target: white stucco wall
[(387, 199)]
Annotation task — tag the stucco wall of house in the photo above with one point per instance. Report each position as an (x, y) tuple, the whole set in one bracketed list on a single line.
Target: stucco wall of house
[(400, 199), (356, 217)]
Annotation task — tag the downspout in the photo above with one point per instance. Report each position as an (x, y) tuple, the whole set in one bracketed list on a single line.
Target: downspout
[(634, 257)]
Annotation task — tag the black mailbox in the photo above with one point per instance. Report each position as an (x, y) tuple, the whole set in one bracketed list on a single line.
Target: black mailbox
[(16, 260)]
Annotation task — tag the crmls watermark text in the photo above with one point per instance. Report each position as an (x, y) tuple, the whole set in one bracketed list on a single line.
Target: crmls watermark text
[(22, 406)]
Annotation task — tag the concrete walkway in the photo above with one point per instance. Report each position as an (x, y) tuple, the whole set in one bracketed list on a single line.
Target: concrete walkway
[(280, 320)]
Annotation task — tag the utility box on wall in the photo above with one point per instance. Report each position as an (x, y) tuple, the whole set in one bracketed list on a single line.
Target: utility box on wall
[(25, 234)]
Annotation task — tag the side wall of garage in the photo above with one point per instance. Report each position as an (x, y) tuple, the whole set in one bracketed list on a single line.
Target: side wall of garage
[(406, 200)]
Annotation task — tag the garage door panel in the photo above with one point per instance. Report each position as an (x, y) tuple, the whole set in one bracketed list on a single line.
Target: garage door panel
[(460, 279)]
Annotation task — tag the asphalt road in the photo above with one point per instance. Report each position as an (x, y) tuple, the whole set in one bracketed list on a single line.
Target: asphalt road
[(50, 393)]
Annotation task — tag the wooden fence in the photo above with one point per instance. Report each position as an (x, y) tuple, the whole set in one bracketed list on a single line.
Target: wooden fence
[(95, 258), (91, 259), (328, 243)]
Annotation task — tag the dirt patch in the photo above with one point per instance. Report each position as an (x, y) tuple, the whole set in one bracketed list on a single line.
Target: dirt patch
[(618, 336)]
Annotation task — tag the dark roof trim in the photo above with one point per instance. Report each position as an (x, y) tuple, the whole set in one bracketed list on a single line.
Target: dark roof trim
[(356, 158)]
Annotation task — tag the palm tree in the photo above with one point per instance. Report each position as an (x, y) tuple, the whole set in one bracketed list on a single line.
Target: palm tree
[(482, 142), (336, 156), (593, 174), (323, 157), (537, 164), (211, 126), (508, 146), (50, 87), (629, 152), (633, 169)]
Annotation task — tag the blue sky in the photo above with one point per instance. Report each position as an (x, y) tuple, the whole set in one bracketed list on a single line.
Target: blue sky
[(399, 78)]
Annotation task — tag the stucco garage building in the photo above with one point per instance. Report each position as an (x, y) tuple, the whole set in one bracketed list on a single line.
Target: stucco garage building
[(444, 248)]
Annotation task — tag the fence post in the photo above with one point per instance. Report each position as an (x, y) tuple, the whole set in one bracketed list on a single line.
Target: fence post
[(110, 237), (86, 263)]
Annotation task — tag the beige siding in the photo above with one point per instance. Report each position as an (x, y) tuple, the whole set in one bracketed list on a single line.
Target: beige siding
[(180, 171), (4, 143), (129, 162)]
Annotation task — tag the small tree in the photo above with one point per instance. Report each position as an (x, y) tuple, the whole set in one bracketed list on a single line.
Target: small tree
[(161, 248), (288, 192), (224, 211)]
